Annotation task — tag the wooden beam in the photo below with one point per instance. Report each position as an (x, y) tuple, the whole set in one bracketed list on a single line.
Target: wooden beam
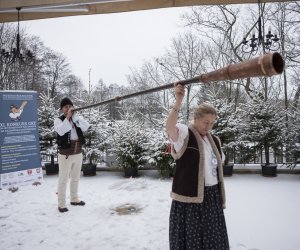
[(6, 4), (96, 8)]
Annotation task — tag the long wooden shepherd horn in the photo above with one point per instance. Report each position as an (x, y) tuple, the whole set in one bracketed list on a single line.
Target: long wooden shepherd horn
[(265, 65)]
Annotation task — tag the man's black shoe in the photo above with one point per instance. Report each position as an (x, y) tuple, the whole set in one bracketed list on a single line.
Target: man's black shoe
[(79, 203), (62, 210)]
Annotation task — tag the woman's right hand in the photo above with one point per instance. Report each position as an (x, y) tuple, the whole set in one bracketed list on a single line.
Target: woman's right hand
[(173, 115), (179, 92)]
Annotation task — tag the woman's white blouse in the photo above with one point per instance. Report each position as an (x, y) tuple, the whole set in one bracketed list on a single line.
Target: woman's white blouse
[(210, 163)]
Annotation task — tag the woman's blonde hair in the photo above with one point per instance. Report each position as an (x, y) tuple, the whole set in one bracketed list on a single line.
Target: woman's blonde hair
[(204, 109)]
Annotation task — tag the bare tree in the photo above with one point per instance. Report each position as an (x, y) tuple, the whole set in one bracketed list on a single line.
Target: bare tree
[(13, 75), (56, 69), (72, 86), (148, 76), (222, 28), (185, 59), (47, 72)]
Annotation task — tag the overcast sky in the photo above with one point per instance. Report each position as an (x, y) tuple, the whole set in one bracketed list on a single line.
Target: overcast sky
[(109, 44)]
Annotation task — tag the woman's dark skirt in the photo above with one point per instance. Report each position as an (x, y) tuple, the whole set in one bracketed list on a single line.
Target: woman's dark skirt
[(199, 226)]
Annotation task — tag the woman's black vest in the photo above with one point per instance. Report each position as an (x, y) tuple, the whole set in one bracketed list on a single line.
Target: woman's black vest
[(65, 140), (185, 181)]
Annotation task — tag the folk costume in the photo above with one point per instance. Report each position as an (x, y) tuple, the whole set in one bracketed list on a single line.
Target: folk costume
[(70, 140), (196, 219)]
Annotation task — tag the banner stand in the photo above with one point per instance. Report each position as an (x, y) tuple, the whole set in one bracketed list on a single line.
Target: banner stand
[(20, 159)]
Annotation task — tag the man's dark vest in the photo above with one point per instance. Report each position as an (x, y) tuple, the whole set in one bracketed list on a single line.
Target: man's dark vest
[(65, 140), (185, 181)]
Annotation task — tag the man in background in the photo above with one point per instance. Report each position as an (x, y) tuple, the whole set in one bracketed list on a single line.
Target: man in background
[(69, 128)]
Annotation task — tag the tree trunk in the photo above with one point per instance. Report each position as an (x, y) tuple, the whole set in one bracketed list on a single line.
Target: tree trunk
[(226, 157), (188, 103), (267, 154), (266, 88), (296, 98)]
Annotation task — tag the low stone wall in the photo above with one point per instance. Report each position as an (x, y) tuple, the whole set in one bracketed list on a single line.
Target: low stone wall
[(236, 169), (258, 171)]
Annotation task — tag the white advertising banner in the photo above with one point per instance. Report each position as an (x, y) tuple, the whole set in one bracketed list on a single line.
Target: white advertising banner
[(20, 159)]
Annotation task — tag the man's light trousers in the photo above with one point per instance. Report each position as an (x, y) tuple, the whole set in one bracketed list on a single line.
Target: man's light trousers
[(70, 167)]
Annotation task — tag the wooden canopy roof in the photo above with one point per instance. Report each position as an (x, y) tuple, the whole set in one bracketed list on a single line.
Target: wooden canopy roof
[(40, 9)]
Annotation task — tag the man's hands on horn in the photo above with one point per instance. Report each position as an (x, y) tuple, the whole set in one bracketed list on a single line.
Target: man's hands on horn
[(70, 113)]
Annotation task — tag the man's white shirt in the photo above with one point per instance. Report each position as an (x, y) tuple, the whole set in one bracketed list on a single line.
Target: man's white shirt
[(62, 127)]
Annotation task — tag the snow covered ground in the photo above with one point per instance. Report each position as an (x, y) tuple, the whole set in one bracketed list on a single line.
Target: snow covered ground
[(262, 214)]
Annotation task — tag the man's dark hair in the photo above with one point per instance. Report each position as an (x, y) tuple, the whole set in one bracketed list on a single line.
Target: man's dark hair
[(65, 101)]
